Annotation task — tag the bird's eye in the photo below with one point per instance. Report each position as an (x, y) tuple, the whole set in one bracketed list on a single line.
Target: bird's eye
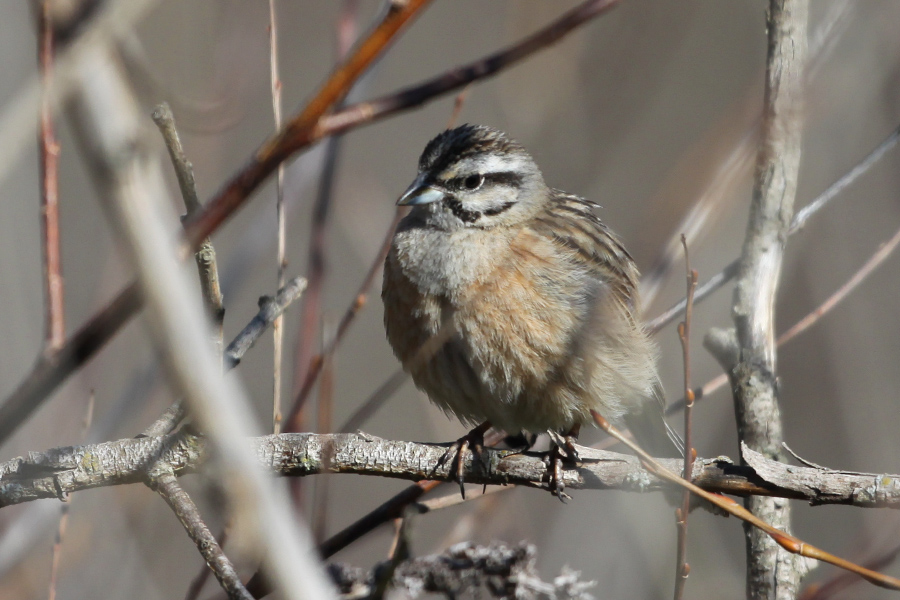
[(473, 182)]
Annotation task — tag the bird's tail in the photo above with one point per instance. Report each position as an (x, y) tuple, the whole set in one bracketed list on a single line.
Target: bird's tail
[(653, 434)]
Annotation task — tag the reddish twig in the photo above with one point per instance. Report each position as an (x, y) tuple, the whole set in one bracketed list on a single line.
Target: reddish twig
[(297, 133), (861, 274), (55, 334), (359, 301), (324, 419), (458, 105), (316, 270), (684, 335), (810, 319), (785, 540), (843, 580)]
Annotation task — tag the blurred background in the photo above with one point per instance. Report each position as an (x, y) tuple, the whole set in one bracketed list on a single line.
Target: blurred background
[(649, 110)]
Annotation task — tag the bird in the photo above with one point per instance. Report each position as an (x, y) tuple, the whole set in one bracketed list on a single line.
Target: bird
[(513, 306)]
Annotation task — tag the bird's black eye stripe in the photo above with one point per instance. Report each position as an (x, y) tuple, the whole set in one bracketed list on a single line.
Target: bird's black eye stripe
[(473, 182)]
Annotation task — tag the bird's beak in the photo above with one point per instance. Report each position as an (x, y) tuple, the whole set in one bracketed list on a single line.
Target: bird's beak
[(419, 192)]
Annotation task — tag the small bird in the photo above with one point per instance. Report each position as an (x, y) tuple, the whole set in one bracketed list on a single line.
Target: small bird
[(512, 305)]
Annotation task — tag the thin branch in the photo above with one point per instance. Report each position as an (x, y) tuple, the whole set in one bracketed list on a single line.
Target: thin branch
[(196, 586), (359, 301), (785, 540), (205, 256), (55, 328), (53, 369), (269, 309), (809, 320), (166, 485), (843, 579), (281, 244), (799, 221), (864, 271), (306, 364), (771, 571), (684, 336)]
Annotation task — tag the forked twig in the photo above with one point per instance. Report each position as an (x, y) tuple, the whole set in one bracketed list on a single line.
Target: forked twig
[(785, 540)]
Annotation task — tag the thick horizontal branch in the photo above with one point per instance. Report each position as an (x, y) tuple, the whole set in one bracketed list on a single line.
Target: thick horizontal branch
[(60, 471)]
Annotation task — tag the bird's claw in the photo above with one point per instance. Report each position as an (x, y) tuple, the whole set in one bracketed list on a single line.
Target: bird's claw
[(456, 453)]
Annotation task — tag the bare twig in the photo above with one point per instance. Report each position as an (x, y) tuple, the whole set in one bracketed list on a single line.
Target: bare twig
[(269, 309), (458, 106), (843, 579), (799, 221), (785, 540), (864, 271), (323, 425), (359, 301), (205, 256), (684, 335), (55, 329), (166, 485), (310, 314), (809, 320), (280, 257), (54, 368)]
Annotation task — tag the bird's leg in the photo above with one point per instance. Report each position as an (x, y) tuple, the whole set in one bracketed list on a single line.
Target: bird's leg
[(473, 440), (562, 448)]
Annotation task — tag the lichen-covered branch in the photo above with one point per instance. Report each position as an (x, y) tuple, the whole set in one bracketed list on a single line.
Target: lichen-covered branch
[(772, 573), (60, 471)]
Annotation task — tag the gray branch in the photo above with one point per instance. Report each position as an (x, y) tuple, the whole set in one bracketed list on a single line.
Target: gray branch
[(61, 471), (772, 572)]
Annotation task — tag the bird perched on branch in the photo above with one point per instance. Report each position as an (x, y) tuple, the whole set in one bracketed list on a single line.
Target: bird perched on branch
[(512, 305)]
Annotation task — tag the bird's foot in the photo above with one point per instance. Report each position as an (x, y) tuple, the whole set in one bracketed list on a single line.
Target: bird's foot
[(562, 449), (456, 453)]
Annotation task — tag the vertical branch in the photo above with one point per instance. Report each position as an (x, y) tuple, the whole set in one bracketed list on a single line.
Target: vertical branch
[(63, 524), (318, 239), (49, 151), (771, 572), (681, 514), (280, 259)]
